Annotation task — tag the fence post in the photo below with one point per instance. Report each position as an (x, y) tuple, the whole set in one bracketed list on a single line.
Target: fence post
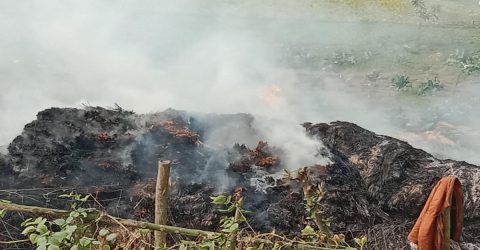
[(161, 201)]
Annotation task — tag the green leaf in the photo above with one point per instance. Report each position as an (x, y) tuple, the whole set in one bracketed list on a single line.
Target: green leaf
[(59, 222), (231, 228), (364, 239), (219, 200), (209, 245), (308, 231), (60, 236), (84, 198), (106, 247), (54, 241), (230, 209), (357, 240), (69, 219), (41, 240), (41, 228), (28, 230), (234, 226), (74, 214), (24, 223), (70, 229), (103, 232), (251, 248), (112, 237), (3, 212), (85, 241), (38, 220), (361, 241), (227, 222), (33, 238)]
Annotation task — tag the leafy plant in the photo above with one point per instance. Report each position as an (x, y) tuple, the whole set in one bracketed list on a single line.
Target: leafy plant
[(429, 86), (344, 58), (234, 212), (361, 241), (469, 63), (472, 63), (314, 192), (401, 82), (424, 12), (65, 233), (229, 224), (70, 232)]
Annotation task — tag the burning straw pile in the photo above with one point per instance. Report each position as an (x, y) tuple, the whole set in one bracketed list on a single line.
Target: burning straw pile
[(373, 184)]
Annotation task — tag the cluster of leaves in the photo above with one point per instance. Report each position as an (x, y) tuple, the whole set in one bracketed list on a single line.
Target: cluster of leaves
[(472, 63), (344, 58), (401, 82), (309, 236), (233, 210), (314, 192), (66, 233), (469, 63), (427, 14), (429, 86), (336, 241), (229, 224), (75, 232)]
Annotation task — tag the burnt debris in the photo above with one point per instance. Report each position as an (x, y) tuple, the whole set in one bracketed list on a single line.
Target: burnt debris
[(372, 180), (242, 158)]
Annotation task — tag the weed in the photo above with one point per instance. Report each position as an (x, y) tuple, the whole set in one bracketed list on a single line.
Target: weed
[(428, 87), (344, 58), (401, 82), (469, 63)]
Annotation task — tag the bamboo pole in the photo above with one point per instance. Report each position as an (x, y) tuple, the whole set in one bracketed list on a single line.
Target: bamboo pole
[(161, 201), (96, 215), (99, 216)]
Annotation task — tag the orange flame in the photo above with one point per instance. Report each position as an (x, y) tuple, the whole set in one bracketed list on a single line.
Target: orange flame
[(272, 95)]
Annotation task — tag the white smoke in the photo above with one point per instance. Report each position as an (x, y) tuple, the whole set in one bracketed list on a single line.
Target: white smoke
[(262, 58)]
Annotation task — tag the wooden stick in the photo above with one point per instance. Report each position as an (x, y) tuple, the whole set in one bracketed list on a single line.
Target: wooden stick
[(97, 215), (161, 201)]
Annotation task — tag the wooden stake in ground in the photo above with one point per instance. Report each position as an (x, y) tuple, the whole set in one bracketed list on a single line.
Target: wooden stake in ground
[(161, 201)]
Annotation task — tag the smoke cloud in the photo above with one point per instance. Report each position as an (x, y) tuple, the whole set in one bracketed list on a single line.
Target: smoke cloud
[(225, 57)]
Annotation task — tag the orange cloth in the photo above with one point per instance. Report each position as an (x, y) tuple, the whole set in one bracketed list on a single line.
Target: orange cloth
[(429, 228)]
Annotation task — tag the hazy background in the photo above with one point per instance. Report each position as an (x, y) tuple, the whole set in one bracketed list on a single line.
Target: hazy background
[(269, 58)]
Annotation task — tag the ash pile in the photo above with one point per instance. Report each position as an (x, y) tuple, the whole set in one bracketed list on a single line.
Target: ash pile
[(374, 184)]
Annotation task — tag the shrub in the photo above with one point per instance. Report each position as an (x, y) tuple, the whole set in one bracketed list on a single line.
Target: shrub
[(429, 86), (401, 82)]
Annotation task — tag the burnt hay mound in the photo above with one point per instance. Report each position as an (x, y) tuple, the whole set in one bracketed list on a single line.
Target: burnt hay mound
[(374, 183)]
